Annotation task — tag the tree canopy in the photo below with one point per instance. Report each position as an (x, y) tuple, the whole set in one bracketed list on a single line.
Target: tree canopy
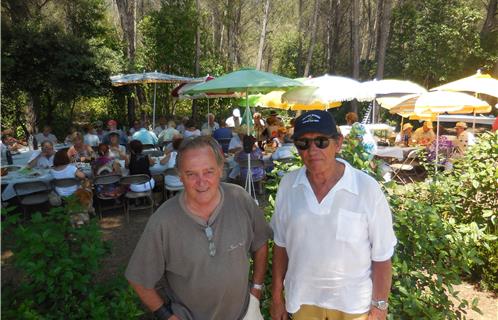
[(58, 55)]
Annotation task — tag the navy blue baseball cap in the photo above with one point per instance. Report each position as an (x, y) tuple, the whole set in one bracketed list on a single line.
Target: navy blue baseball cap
[(315, 121)]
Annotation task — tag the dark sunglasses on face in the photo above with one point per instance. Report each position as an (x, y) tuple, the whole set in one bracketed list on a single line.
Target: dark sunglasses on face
[(321, 142)]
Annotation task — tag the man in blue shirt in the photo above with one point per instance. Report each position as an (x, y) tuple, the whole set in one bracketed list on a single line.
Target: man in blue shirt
[(145, 136)]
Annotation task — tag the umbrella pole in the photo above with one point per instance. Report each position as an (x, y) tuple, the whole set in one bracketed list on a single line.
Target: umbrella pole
[(207, 116), (474, 122), (249, 183), (154, 109), (437, 145), (373, 111)]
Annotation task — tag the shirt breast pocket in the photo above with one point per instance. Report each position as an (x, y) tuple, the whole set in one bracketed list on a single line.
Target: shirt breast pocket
[(351, 226)]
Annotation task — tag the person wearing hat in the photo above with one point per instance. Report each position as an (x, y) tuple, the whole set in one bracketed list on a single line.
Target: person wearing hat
[(113, 127), (235, 120), (405, 136), (424, 135), (333, 233), (464, 139)]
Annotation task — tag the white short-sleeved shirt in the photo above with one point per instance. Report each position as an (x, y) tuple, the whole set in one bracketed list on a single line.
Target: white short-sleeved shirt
[(40, 138), (68, 172), (331, 245), (463, 141), (91, 139), (42, 162), (235, 142)]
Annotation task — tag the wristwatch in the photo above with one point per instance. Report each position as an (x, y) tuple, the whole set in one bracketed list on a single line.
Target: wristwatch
[(259, 287), (380, 304)]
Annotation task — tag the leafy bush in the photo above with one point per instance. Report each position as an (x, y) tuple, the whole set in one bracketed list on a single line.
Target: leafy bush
[(58, 264), (468, 194)]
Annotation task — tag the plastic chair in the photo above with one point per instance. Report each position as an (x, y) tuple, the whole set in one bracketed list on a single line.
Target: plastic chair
[(65, 183), (224, 144), (32, 193), (131, 195), (104, 181), (168, 188), (405, 169)]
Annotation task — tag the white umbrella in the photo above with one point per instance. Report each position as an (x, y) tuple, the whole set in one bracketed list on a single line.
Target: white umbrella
[(325, 91), (477, 83), (386, 91), (149, 77), (437, 102)]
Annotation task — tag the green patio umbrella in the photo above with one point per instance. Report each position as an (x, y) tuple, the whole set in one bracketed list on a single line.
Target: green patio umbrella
[(247, 81)]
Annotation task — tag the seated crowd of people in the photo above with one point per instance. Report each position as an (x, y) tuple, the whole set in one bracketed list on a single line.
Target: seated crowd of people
[(114, 150)]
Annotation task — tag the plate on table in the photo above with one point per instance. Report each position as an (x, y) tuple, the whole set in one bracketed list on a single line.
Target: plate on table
[(10, 168), (29, 172)]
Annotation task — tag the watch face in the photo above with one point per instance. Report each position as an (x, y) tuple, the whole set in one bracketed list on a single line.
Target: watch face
[(382, 305)]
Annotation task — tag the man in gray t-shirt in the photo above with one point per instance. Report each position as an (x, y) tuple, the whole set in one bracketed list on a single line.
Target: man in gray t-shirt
[(201, 241)]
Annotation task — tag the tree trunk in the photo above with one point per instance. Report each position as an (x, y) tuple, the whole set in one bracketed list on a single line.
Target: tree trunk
[(489, 32), (32, 112), (262, 36), (333, 30), (384, 18), (314, 28), (197, 49), (490, 22), (299, 64), (355, 32), (127, 14), (370, 31)]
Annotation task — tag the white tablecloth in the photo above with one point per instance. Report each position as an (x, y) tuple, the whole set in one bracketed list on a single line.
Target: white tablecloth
[(45, 176), (15, 177), (393, 152)]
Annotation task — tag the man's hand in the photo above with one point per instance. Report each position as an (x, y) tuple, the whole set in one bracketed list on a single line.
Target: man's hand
[(377, 314), (277, 310), (173, 317)]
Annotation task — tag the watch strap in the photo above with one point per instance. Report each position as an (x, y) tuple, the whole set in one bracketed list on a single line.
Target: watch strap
[(163, 313)]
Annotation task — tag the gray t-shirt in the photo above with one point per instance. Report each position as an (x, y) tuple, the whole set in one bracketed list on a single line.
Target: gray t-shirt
[(174, 244)]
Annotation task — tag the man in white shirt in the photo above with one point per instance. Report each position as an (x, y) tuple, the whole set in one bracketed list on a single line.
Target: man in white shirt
[(46, 135), (161, 127), (43, 158), (210, 125), (464, 139), (235, 120), (333, 233)]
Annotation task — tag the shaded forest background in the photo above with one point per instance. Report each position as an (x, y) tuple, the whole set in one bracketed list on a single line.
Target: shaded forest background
[(57, 55)]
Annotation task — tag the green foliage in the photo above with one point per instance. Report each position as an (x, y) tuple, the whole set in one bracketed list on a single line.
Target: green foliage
[(58, 264), (355, 152), (434, 41), (55, 56), (431, 254), (468, 195), (168, 38)]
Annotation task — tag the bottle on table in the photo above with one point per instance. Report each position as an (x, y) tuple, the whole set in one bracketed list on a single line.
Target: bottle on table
[(8, 155), (35, 143)]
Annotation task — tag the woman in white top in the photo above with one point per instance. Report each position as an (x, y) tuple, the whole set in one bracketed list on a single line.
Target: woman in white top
[(63, 169), (116, 150), (191, 130), (170, 159), (90, 138)]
